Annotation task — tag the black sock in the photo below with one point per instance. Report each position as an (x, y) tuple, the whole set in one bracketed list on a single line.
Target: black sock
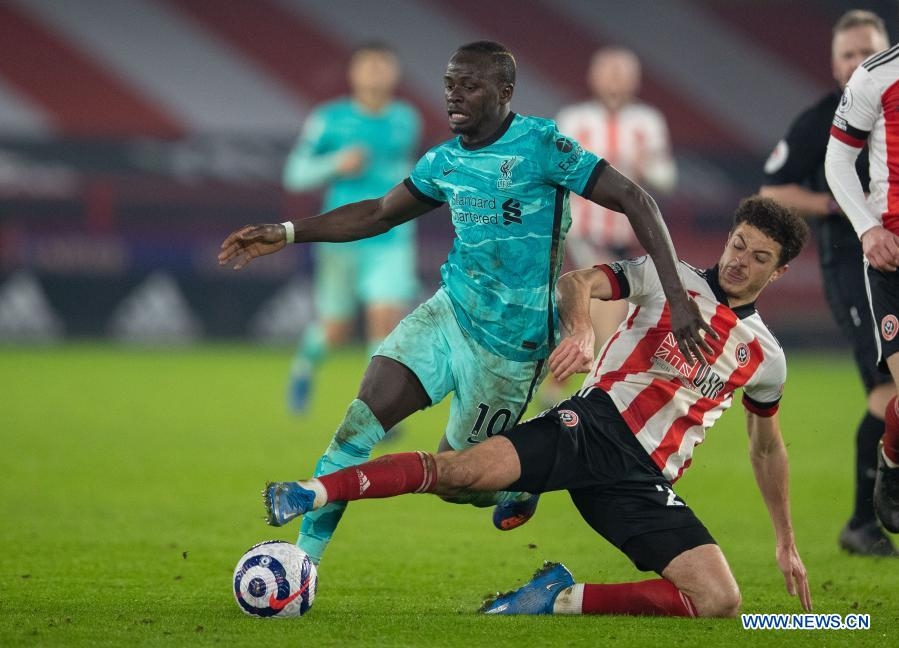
[(866, 437)]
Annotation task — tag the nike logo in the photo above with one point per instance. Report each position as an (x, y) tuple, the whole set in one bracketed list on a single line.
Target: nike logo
[(446, 171), (280, 604)]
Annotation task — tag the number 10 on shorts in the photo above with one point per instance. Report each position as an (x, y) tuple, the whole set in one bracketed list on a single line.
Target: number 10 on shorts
[(497, 423)]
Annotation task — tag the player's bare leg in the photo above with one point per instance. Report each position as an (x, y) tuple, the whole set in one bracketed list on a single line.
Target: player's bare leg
[(489, 466), (513, 508), (702, 573), (380, 320)]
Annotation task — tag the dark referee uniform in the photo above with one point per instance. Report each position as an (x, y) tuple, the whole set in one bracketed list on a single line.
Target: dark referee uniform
[(799, 159)]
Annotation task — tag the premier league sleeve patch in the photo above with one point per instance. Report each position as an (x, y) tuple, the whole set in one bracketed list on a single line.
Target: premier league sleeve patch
[(845, 101)]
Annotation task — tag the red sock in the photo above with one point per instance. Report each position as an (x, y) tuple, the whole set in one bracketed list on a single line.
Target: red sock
[(649, 598), (891, 431), (393, 474)]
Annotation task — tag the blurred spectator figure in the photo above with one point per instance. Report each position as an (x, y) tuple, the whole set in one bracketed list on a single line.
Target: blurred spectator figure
[(633, 137), (795, 177), (359, 147)]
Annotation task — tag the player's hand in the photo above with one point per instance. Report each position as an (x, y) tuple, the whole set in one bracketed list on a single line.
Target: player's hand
[(881, 248), (352, 161), (794, 573), (251, 241), (573, 355), (687, 326)]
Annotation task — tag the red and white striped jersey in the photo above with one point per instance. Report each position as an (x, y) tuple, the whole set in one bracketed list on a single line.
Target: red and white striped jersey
[(667, 402), (869, 111), (634, 139)]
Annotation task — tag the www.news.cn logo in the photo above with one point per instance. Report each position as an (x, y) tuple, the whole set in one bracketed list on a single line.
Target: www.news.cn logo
[(805, 621)]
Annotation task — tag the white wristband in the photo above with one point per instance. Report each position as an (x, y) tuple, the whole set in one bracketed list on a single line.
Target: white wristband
[(288, 231)]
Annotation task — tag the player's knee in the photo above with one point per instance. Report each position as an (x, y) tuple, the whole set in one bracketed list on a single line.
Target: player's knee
[(719, 600)]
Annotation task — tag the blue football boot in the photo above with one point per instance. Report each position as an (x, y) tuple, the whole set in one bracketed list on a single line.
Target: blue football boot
[(511, 515), (285, 501), (534, 597)]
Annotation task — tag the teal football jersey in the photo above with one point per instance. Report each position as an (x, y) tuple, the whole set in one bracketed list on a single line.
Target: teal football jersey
[(509, 204), (390, 140)]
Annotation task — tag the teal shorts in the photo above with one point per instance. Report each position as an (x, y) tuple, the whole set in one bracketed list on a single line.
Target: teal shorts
[(347, 274), (491, 393)]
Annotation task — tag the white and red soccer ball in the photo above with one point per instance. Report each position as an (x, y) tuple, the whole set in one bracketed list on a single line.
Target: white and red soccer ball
[(275, 579)]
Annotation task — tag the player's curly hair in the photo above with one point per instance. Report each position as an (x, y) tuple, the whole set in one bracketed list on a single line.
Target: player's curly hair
[(500, 56), (780, 223)]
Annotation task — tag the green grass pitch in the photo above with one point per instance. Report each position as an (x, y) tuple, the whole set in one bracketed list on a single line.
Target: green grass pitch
[(130, 480)]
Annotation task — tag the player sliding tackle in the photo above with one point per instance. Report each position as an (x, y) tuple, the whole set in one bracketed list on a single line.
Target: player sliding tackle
[(619, 443), (486, 333)]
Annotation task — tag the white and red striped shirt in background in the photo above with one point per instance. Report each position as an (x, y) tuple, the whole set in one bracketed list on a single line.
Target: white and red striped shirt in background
[(667, 402), (868, 112), (633, 139)]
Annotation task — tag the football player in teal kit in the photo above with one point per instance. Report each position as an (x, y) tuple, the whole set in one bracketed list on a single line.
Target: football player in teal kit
[(486, 333), (359, 146)]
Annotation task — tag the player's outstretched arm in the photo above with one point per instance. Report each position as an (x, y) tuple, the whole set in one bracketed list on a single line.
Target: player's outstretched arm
[(769, 463), (616, 192), (574, 291), (350, 222)]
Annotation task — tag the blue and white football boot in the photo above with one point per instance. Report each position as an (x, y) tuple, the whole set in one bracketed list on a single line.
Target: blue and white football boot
[(285, 501), (534, 597)]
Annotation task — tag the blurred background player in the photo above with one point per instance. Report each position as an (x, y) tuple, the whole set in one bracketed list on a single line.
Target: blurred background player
[(633, 137), (359, 146), (867, 112), (794, 176)]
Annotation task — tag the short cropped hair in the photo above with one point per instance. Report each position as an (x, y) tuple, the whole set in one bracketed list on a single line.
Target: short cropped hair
[(780, 223), (860, 18), (502, 60)]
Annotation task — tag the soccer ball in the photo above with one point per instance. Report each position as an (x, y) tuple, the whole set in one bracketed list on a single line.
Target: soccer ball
[(275, 579)]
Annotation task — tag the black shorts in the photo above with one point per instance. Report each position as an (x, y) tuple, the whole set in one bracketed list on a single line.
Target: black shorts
[(584, 446), (884, 289), (847, 296)]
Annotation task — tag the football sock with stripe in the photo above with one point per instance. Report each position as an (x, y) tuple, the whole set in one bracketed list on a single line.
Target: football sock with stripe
[(646, 598), (393, 474), (352, 445), (891, 434)]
